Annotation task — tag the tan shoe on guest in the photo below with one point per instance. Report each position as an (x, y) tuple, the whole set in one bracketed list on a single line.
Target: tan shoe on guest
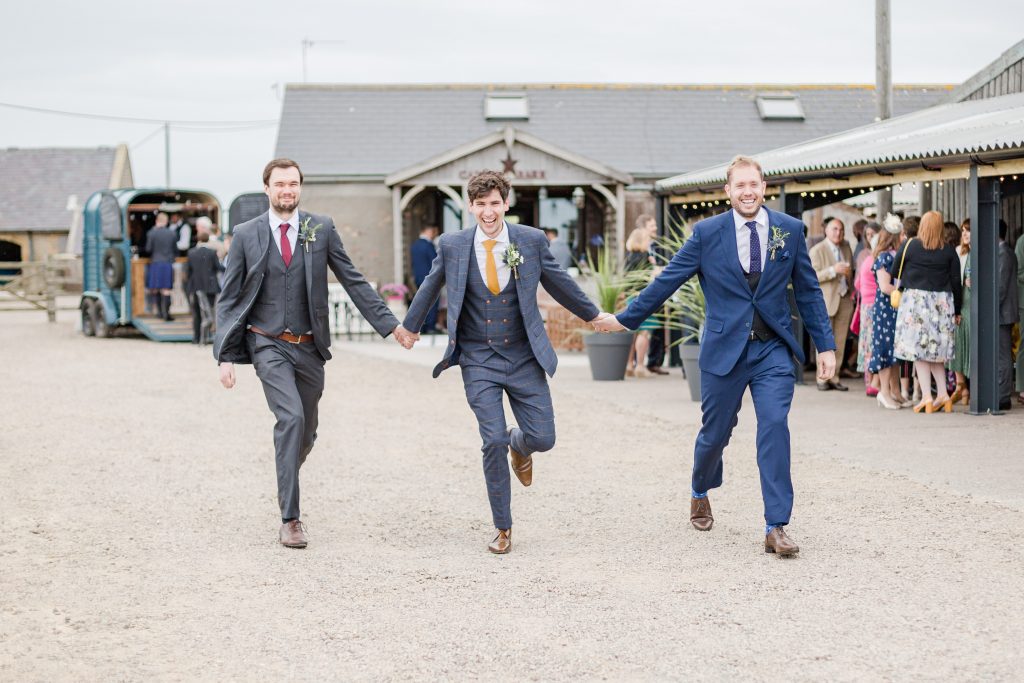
[(779, 543), (521, 465), (502, 543), (293, 534), (643, 373), (700, 514)]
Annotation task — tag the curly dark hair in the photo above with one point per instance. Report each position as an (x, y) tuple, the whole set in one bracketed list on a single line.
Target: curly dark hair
[(280, 163), (481, 185)]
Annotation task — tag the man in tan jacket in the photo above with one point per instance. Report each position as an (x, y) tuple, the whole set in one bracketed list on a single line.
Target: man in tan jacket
[(832, 260)]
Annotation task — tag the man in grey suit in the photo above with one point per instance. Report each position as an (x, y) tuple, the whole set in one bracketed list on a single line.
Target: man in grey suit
[(273, 313), (496, 335)]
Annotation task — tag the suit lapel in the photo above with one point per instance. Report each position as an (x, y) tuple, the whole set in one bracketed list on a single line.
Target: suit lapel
[(770, 263), (513, 238), (263, 241)]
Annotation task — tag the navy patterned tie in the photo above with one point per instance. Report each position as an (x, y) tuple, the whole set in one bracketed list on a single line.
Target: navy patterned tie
[(755, 249)]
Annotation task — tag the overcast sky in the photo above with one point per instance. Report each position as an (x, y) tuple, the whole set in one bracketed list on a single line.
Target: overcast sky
[(226, 61)]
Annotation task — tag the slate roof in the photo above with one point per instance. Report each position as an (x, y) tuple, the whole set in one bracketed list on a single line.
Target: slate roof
[(648, 131), (37, 182)]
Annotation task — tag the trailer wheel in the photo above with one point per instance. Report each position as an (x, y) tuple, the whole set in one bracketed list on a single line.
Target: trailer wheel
[(113, 268), (99, 321), (88, 311)]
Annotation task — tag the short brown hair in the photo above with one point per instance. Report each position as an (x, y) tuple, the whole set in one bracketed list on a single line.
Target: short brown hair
[(484, 182), (740, 160), (280, 163), (642, 220), (931, 229)]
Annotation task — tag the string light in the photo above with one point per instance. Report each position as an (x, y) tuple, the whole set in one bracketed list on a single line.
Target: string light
[(803, 194), (927, 184)]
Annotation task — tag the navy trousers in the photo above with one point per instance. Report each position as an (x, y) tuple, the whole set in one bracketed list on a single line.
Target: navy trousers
[(526, 385), (767, 368)]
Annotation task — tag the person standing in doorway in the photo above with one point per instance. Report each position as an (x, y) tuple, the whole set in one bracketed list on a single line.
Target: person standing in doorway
[(422, 254), (162, 247)]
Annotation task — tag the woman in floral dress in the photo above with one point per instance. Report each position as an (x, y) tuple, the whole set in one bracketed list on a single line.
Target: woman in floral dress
[(883, 316)]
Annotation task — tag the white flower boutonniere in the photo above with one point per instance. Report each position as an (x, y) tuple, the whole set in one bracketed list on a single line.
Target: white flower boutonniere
[(307, 232), (776, 240), (513, 258)]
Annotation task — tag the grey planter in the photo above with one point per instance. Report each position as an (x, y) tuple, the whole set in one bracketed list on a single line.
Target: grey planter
[(689, 353), (608, 354)]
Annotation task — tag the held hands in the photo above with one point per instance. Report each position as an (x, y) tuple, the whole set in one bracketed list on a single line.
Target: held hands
[(227, 375), (606, 322), (405, 337), (826, 365)]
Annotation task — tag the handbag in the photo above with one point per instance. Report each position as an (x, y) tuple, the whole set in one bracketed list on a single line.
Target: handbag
[(896, 295)]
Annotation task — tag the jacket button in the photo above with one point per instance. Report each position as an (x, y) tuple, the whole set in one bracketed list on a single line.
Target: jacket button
[(504, 320), (488, 322), (488, 301), (504, 301), (452, 342), (506, 341), (489, 341)]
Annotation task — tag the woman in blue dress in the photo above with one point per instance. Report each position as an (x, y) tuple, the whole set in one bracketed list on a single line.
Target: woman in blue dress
[(883, 316)]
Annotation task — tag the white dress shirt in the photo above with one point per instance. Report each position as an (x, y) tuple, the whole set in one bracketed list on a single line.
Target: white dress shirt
[(275, 230), (743, 237), (504, 272)]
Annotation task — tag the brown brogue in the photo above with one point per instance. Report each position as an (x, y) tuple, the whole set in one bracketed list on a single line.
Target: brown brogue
[(779, 543), (293, 534), (502, 543), (521, 465), (700, 514)]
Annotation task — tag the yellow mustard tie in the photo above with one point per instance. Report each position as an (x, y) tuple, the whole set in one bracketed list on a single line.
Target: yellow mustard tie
[(492, 267)]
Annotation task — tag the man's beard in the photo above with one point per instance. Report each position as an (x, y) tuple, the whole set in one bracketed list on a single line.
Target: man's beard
[(283, 208), (752, 214)]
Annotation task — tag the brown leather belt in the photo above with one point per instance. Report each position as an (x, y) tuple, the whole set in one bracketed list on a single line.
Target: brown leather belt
[(284, 336)]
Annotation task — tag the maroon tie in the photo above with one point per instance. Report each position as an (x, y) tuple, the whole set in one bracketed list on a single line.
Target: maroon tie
[(286, 246)]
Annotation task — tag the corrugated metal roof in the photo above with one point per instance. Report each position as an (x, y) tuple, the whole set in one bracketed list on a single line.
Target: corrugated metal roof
[(648, 131), (978, 127)]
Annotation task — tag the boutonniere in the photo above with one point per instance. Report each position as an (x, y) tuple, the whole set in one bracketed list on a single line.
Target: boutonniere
[(776, 241), (307, 232), (513, 258)]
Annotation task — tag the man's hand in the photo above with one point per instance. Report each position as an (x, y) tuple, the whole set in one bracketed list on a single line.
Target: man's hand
[(227, 375), (606, 322), (842, 268), (826, 365), (405, 337)]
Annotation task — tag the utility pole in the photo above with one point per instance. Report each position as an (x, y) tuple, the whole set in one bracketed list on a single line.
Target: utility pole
[(306, 44), (167, 153), (883, 84)]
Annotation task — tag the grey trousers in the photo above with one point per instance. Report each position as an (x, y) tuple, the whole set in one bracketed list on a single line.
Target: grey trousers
[(530, 399), (1005, 363), (293, 381)]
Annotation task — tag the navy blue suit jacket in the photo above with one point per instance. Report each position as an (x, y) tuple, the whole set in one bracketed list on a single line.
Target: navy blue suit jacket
[(423, 254), (451, 268), (711, 254)]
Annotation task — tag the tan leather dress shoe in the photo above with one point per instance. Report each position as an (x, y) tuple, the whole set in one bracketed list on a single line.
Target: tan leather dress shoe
[(502, 543), (522, 466), (293, 534), (700, 514), (779, 543)]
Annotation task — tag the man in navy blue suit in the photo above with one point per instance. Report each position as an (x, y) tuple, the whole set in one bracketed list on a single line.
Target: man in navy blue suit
[(423, 254), (745, 259)]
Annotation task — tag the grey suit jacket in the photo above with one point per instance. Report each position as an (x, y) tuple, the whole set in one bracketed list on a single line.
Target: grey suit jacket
[(451, 267), (1008, 301), (247, 265)]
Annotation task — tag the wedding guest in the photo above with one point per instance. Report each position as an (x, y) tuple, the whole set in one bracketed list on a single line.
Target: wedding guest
[(1008, 316), (929, 273), (910, 393), (202, 286), (161, 245), (422, 254), (832, 260), (1019, 253), (960, 364), (883, 317), (860, 237), (866, 287), (638, 246), (559, 249)]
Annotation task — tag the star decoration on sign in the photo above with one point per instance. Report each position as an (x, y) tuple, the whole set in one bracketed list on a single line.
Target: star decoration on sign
[(509, 164)]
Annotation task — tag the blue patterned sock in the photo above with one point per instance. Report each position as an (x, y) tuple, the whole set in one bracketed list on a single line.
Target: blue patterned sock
[(698, 495)]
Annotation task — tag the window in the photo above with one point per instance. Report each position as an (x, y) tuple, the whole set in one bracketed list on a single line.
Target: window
[(780, 107), (506, 106)]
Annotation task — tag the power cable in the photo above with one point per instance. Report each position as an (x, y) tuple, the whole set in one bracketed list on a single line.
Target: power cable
[(217, 125)]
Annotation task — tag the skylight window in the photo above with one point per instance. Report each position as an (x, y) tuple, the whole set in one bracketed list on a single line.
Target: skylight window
[(506, 106), (781, 107)]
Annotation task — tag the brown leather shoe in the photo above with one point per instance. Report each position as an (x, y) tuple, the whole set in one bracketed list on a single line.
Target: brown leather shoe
[(293, 534), (700, 514), (778, 542), (502, 543), (522, 466), (658, 370)]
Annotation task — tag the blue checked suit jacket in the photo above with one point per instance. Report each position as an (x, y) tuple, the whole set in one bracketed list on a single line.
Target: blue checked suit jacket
[(451, 267), (711, 254)]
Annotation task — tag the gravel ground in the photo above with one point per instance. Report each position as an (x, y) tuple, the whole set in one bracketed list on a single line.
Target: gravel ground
[(141, 526)]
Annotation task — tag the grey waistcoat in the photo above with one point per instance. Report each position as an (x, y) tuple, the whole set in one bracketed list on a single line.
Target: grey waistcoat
[(491, 323), (282, 303)]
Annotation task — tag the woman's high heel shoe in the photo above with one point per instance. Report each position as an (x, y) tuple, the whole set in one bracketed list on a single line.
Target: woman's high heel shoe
[(925, 406), (886, 403), (959, 393), (945, 406)]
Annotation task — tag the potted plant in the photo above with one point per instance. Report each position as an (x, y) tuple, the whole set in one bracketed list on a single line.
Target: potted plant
[(608, 353), (684, 311), (394, 294)]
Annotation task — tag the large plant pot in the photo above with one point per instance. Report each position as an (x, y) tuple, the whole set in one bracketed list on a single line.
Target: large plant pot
[(608, 354), (690, 353)]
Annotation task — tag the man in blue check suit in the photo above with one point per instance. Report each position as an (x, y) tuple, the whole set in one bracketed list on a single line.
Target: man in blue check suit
[(496, 335), (745, 259)]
